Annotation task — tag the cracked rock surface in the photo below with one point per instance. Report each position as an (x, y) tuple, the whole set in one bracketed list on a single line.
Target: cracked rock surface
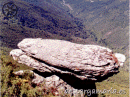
[(85, 62)]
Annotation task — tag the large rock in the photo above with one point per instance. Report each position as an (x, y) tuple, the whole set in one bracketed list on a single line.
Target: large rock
[(86, 62)]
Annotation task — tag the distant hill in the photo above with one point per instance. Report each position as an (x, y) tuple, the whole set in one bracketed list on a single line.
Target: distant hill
[(105, 21), (34, 21), (107, 18)]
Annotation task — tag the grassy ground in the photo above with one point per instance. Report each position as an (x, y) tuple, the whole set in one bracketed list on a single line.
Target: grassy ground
[(116, 86)]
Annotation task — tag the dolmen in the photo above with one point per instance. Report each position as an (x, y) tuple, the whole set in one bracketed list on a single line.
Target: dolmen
[(89, 63)]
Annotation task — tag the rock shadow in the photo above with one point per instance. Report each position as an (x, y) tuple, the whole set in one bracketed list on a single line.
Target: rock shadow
[(88, 87)]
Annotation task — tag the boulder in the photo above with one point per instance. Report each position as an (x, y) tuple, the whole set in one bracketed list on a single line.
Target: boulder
[(85, 62)]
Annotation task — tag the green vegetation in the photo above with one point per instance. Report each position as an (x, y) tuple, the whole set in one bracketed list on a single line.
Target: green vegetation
[(117, 85)]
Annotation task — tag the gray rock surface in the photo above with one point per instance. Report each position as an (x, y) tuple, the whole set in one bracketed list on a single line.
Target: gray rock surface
[(86, 62)]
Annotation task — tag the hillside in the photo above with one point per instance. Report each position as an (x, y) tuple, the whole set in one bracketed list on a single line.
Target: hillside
[(33, 21), (107, 18), (102, 22)]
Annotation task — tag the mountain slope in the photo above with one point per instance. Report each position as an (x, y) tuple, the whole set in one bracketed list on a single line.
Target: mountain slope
[(105, 21), (34, 21)]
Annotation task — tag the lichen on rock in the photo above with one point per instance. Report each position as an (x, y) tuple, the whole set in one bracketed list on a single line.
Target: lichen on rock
[(86, 62)]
